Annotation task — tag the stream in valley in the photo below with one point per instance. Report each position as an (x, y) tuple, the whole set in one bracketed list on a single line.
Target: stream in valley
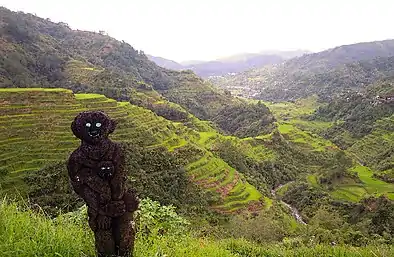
[(293, 210)]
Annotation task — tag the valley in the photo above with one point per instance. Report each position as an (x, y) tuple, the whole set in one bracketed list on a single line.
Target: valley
[(295, 158)]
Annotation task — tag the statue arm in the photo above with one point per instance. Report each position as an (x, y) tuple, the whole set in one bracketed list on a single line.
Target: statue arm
[(91, 198), (118, 182)]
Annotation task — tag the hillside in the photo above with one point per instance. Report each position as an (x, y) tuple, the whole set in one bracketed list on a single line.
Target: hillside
[(198, 170), (36, 132), (231, 64), (363, 124), (325, 73), (69, 235), (217, 175), (35, 51)]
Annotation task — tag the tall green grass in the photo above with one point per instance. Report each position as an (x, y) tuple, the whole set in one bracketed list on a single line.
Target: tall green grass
[(27, 233), (243, 248), (24, 233)]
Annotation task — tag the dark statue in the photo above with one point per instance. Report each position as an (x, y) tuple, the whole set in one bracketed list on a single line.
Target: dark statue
[(97, 173)]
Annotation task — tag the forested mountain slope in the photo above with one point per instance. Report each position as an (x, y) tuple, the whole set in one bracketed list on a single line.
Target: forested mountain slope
[(325, 73), (38, 52), (363, 124)]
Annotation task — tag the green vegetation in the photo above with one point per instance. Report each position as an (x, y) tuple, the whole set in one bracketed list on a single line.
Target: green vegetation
[(335, 176), (227, 176), (211, 160), (68, 235), (363, 125), (37, 52), (36, 235), (37, 133), (373, 185)]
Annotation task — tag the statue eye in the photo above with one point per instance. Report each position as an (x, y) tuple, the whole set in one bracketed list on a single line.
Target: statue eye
[(88, 125), (103, 168), (98, 124)]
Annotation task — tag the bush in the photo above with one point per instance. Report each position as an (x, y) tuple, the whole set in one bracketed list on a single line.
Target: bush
[(157, 220)]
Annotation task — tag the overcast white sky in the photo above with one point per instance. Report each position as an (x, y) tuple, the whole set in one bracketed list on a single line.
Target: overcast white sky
[(207, 29)]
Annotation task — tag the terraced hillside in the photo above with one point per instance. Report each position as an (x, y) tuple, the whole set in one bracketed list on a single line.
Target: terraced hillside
[(376, 148), (36, 51), (373, 150), (35, 131)]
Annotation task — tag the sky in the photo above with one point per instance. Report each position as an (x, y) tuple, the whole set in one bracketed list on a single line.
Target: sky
[(183, 30)]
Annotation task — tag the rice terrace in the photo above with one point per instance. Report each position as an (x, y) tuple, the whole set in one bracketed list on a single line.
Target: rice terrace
[(106, 144)]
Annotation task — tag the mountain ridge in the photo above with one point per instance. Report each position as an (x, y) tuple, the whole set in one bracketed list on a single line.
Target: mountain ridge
[(38, 51), (230, 64), (325, 73)]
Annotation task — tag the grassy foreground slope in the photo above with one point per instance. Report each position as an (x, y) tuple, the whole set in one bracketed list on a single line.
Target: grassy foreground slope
[(33, 234), (35, 131)]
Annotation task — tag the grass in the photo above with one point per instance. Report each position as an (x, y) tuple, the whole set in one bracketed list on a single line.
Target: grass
[(349, 193), (88, 96), (217, 176), (294, 114), (24, 234), (268, 203), (245, 249), (371, 148), (288, 110), (206, 136)]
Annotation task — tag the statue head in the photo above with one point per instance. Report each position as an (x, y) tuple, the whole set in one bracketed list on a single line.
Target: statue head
[(92, 126)]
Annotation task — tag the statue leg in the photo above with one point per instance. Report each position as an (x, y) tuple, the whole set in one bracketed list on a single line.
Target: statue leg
[(105, 244), (125, 235), (104, 241)]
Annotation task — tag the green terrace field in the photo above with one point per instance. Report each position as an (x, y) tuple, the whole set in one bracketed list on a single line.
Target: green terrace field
[(369, 186), (307, 139), (35, 131), (294, 113), (374, 149), (295, 128)]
